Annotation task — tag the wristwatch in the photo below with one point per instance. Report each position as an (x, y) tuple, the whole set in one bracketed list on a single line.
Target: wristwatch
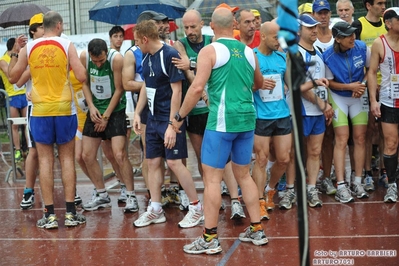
[(178, 117), (193, 65), (13, 54), (106, 118)]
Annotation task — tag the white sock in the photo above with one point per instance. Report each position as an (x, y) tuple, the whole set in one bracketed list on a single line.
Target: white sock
[(268, 188), (310, 187), (358, 180), (156, 206), (269, 165)]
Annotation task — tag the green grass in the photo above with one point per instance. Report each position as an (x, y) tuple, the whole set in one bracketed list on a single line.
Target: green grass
[(4, 137)]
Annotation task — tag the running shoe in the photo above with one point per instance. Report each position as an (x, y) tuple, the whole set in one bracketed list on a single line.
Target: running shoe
[(368, 183), (165, 198), (173, 195), (392, 193), (359, 191), (200, 246), (269, 199), (50, 222), (257, 238), (18, 156), (78, 200), (28, 199), (150, 217), (192, 218), (123, 196), (288, 199), (74, 219), (131, 204), (263, 211), (383, 180), (313, 198), (328, 187), (97, 202), (237, 212), (223, 189), (184, 201), (343, 195)]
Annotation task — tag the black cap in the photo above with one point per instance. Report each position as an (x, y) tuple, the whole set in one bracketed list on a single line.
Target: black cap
[(342, 28), (149, 14)]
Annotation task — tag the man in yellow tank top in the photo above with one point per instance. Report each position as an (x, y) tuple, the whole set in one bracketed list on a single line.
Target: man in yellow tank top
[(16, 94), (53, 116)]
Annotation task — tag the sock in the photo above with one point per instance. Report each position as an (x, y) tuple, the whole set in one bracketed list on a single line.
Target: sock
[(291, 186), (101, 190), (369, 173), (49, 209), (269, 164), (28, 190), (254, 227), (210, 234), (358, 180), (70, 207), (310, 187), (391, 163), (233, 200), (268, 188), (122, 184), (340, 184), (130, 193), (156, 206), (197, 204), (102, 194), (261, 199)]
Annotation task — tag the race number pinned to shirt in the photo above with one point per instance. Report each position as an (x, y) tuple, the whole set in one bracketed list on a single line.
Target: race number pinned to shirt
[(322, 93), (275, 94), (81, 101), (394, 86), (150, 98), (101, 87)]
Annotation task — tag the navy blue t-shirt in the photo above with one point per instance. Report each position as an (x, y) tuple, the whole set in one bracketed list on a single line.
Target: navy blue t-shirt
[(159, 72)]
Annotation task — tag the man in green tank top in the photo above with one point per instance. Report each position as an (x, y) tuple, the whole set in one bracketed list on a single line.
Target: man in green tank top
[(231, 69), (105, 120)]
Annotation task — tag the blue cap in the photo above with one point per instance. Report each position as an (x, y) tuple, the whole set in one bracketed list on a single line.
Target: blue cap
[(307, 21), (319, 5)]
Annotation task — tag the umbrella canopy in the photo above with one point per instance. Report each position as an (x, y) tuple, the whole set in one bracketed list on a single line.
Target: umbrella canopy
[(20, 14), (208, 6), (122, 12), (129, 29)]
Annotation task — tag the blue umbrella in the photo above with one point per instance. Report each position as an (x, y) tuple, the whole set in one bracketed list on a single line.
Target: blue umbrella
[(208, 6), (121, 12)]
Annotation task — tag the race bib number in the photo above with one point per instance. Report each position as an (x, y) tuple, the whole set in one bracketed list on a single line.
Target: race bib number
[(150, 98), (394, 91), (322, 93), (101, 87), (275, 94), (16, 88), (80, 98), (365, 101)]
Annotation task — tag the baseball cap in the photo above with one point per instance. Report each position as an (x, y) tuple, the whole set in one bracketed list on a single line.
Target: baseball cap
[(149, 14), (319, 5), (342, 28), (305, 8), (255, 12), (36, 19), (392, 12), (307, 20), (232, 9)]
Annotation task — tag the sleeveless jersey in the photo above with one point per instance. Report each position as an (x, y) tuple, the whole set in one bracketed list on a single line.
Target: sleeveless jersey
[(389, 67), (271, 104), (201, 107), (101, 83), (369, 32), (11, 89), (52, 94), (229, 90)]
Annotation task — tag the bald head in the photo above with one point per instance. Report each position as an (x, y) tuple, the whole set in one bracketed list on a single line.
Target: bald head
[(269, 41), (192, 15), (269, 27), (222, 18)]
